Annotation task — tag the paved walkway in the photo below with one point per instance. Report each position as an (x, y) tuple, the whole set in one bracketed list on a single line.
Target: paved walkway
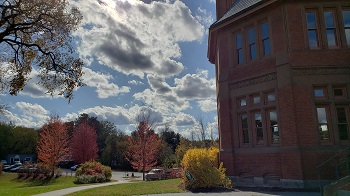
[(120, 177), (78, 188), (243, 193)]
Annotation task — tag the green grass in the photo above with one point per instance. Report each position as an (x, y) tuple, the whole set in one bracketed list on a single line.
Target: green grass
[(136, 188), (9, 185)]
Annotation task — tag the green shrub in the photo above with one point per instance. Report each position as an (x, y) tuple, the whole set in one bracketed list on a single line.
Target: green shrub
[(0, 168), (92, 172), (201, 170), (86, 179)]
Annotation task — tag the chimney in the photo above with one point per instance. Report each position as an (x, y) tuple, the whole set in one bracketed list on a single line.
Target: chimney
[(222, 6)]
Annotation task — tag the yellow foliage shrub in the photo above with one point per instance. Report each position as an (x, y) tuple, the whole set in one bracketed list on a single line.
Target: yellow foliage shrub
[(201, 169)]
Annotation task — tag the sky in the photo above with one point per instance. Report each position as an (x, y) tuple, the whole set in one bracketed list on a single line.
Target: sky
[(137, 54)]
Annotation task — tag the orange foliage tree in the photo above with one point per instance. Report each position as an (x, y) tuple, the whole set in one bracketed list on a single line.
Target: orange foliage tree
[(84, 143), (143, 148), (53, 144)]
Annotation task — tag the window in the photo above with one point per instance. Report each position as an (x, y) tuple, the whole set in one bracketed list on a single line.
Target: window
[(346, 19), (339, 92), (343, 123), (28, 159), (256, 99), (258, 128), (312, 29), (271, 97), (251, 41), (330, 28), (242, 102), (239, 49), (323, 127), (320, 92), (244, 128), (256, 119), (265, 38), (273, 126)]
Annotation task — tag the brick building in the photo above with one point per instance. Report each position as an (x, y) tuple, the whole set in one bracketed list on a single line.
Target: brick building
[(283, 87)]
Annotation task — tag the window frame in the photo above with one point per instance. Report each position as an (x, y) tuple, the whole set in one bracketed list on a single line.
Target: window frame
[(252, 97), (239, 99), (237, 49), (266, 95), (335, 28), (268, 127), (343, 89), (250, 44), (262, 38), (241, 130), (316, 28), (344, 28), (329, 124), (347, 121), (255, 129), (325, 92)]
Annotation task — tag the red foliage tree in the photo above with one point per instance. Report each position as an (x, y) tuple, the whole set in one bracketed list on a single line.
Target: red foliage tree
[(84, 145), (53, 144), (143, 148)]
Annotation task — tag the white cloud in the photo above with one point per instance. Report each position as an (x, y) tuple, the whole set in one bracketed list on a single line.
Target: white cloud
[(193, 86), (207, 105), (29, 115), (104, 87), (135, 82), (134, 37), (204, 17)]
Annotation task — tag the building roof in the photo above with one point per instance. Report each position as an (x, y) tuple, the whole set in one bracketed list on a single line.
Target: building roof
[(237, 7)]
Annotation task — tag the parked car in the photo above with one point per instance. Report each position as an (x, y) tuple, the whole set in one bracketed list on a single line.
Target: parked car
[(3, 162), (155, 174), (8, 168), (16, 169), (65, 164), (75, 167)]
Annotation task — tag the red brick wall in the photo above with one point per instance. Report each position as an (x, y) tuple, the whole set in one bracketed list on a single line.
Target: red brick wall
[(300, 150), (257, 164)]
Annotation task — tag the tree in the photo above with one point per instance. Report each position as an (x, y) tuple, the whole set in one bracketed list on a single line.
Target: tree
[(182, 148), (170, 137), (38, 34), (25, 140), (6, 139), (103, 130), (84, 144), (143, 148), (53, 144), (115, 151)]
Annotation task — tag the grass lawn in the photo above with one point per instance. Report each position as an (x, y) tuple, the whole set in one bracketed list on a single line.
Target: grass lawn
[(9, 185), (136, 188)]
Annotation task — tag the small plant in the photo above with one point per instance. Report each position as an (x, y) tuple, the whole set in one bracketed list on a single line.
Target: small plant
[(92, 172)]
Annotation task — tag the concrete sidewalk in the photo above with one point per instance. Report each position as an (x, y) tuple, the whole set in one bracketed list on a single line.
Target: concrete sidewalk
[(79, 188), (241, 193)]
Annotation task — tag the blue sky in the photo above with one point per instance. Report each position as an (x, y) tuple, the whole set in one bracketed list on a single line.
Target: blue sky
[(136, 54)]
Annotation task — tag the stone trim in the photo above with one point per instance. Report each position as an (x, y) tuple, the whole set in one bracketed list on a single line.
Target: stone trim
[(321, 71), (253, 81)]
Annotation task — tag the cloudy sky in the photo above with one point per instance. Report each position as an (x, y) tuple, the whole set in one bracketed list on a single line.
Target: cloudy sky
[(136, 54)]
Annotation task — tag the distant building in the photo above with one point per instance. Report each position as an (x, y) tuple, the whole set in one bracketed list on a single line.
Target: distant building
[(283, 88)]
